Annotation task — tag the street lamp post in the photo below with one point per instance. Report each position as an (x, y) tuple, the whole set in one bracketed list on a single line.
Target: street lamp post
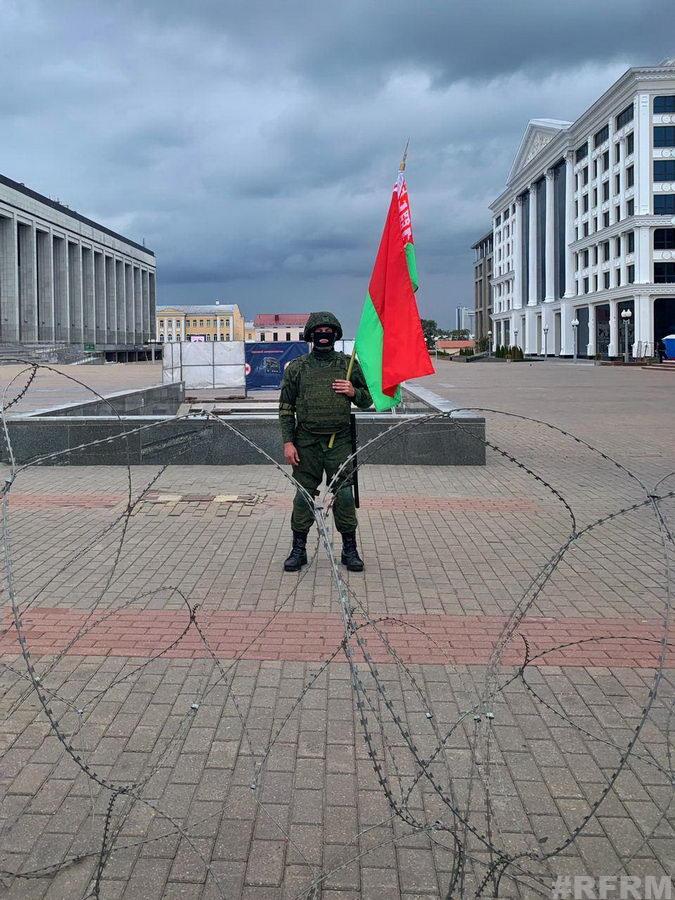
[(515, 337), (489, 336), (575, 324), (626, 315), (545, 340)]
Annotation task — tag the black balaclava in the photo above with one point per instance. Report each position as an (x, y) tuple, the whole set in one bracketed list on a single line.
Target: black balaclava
[(323, 340)]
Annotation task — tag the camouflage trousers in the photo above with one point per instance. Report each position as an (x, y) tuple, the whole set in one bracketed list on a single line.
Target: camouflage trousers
[(316, 458)]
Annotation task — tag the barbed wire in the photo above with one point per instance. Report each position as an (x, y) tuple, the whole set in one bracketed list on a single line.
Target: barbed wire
[(481, 858)]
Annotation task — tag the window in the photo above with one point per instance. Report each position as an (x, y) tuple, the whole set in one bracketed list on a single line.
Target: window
[(605, 280), (201, 323), (584, 257), (605, 161), (630, 176), (664, 170), (630, 207), (630, 242), (208, 323), (576, 208), (595, 254), (665, 104), (161, 323), (585, 202), (169, 337), (630, 274), (664, 239), (585, 285), (595, 282), (605, 191), (584, 175), (617, 152), (595, 196), (601, 136), (605, 251), (617, 246), (595, 168), (288, 335), (498, 221), (664, 272), (664, 204), (505, 214), (617, 276), (582, 152), (208, 337), (262, 335), (664, 136), (624, 117), (585, 229), (630, 144), (605, 219), (227, 323), (275, 335), (617, 184), (194, 323)]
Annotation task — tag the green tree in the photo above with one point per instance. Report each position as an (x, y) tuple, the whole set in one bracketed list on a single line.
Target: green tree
[(459, 334), (430, 330)]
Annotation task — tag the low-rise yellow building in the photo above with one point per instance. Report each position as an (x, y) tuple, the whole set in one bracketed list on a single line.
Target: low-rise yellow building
[(219, 322)]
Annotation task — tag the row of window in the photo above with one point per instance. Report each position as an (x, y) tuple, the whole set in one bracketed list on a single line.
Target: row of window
[(664, 204), (663, 104), (604, 250), (601, 164), (223, 337), (275, 336), (194, 323), (607, 280), (584, 230), (605, 190)]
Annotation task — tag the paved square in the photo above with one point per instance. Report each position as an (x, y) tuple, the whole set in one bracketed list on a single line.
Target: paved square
[(190, 726)]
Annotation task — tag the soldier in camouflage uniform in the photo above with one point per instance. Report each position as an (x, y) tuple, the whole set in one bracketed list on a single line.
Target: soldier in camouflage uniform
[(315, 403)]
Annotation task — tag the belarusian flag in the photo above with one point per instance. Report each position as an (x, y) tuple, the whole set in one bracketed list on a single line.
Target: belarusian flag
[(389, 341)]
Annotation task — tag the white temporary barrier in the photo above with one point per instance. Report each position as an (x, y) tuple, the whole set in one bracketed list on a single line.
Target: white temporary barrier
[(212, 364)]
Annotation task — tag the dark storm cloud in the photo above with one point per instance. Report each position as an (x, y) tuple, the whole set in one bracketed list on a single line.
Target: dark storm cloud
[(253, 145)]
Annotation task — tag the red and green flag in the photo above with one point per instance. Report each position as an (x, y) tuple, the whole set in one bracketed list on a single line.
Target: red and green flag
[(389, 342)]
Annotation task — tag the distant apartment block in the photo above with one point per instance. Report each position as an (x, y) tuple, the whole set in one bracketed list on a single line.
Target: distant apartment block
[(482, 286), (585, 227)]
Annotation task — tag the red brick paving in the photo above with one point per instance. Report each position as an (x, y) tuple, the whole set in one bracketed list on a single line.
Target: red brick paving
[(421, 639)]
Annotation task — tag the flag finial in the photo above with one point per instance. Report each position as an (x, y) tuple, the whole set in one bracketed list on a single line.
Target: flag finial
[(401, 168)]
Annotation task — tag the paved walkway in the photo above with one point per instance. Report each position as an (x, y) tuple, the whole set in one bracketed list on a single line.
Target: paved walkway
[(177, 663)]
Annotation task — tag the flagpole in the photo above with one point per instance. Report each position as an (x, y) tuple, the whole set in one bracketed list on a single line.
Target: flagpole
[(350, 367)]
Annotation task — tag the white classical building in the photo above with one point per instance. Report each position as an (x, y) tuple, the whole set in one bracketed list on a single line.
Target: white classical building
[(66, 279), (585, 228)]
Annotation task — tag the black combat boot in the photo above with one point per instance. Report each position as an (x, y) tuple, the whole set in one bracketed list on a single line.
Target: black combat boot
[(350, 555), (298, 555)]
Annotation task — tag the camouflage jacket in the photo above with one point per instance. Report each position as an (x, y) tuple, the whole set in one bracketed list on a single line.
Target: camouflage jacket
[(308, 400)]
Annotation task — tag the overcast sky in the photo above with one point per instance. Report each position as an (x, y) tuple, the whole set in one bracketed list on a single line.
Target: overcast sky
[(253, 145)]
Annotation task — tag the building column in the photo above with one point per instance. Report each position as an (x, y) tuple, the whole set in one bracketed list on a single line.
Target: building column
[(530, 336), (121, 301), (45, 286), (28, 303), (643, 273), (61, 288), (9, 280), (643, 168), (110, 300), (590, 348), (566, 330), (613, 349), (549, 243), (75, 334), (145, 289), (643, 334), (570, 231), (138, 306), (99, 298), (517, 254), (129, 301), (532, 239)]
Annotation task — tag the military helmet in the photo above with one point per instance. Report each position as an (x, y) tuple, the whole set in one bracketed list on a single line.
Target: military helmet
[(321, 318)]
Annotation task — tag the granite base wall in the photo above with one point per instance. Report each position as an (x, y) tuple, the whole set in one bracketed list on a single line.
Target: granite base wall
[(196, 441)]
